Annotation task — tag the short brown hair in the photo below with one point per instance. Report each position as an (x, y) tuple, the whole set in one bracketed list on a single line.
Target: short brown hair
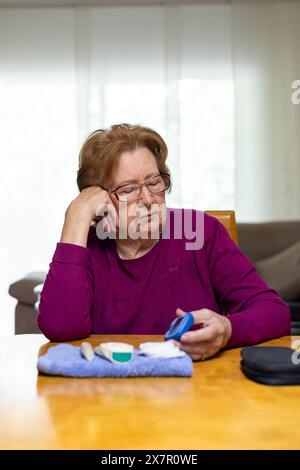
[(103, 147)]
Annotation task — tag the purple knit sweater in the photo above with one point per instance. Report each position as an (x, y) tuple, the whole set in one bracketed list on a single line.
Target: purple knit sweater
[(92, 290)]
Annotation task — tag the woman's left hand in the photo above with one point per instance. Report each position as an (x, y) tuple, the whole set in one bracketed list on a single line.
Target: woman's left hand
[(208, 340)]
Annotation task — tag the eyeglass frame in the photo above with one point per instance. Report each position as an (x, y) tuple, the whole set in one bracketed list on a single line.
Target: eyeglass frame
[(114, 191)]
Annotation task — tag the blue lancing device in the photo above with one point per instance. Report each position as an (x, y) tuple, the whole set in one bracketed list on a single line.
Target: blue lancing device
[(179, 326)]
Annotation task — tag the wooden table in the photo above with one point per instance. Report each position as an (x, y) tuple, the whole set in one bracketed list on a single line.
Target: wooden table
[(218, 408)]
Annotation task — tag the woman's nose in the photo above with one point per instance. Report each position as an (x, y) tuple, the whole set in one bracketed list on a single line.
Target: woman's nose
[(146, 196)]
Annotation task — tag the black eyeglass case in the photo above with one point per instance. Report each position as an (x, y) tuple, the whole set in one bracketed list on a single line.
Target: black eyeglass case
[(271, 365)]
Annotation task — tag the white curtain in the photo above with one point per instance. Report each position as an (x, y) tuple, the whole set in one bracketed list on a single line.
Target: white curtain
[(201, 75), (266, 39), (169, 68), (38, 141)]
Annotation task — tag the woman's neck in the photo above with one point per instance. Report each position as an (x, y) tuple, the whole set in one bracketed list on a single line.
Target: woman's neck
[(131, 249)]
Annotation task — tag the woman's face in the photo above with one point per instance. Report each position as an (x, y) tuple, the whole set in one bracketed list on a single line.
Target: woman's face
[(136, 167)]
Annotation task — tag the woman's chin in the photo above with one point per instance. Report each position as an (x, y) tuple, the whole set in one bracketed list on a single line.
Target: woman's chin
[(148, 228)]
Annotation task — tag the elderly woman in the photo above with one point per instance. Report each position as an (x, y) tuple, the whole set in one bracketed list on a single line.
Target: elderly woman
[(142, 274)]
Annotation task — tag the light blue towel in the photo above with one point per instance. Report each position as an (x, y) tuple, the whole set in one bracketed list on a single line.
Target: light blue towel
[(66, 360)]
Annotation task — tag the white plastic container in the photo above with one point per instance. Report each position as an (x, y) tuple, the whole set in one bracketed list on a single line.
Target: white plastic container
[(115, 352)]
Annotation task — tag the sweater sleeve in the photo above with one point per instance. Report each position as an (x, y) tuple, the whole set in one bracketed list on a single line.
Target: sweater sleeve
[(67, 295), (256, 311)]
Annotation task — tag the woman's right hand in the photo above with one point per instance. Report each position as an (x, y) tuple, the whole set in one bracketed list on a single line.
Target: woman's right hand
[(89, 205), (91, 201)]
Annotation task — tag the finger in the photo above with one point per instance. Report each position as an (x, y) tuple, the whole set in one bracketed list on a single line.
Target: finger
[(196, 357), (112, 221), (202, 357), (196, 349), (106, 227), (200, 353), (208, 333), (180, 312), (177, 343), (116, 215), (200, 316), (201, 347), (109, 212)]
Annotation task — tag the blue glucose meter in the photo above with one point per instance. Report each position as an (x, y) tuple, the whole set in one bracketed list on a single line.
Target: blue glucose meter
[(179, 326)]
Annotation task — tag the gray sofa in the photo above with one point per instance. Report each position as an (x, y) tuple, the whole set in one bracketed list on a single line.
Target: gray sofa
[(274, 247), (25, 313)]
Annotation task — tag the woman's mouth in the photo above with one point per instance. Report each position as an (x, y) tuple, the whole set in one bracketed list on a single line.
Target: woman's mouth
[(147, 216)]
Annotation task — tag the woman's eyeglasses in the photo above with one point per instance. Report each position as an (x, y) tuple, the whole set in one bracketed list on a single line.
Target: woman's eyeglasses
[(131, 192)]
